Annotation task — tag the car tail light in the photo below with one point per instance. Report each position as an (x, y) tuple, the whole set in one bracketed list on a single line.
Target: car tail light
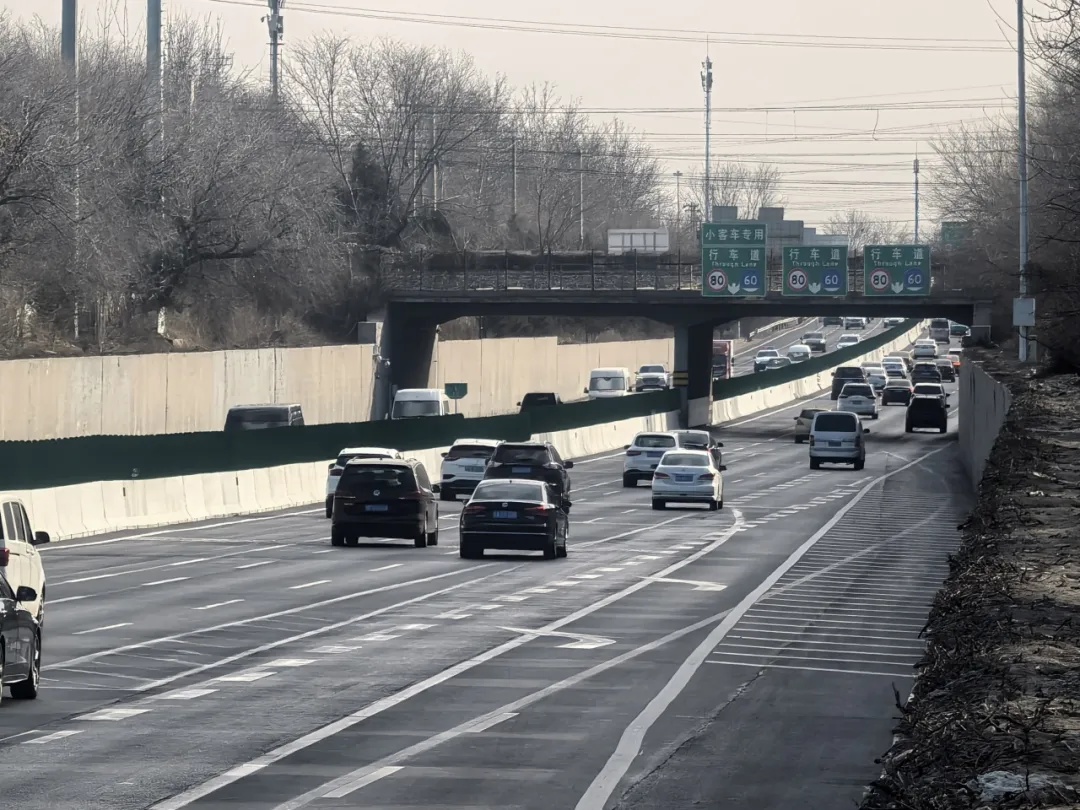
[(5, 556), (473, 509), (661, 475), (811, 439), (706, 477), (542, 509), (633, 452), (336, 471)]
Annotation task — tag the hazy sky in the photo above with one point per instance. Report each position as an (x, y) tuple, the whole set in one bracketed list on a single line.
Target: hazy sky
[(901, 71)]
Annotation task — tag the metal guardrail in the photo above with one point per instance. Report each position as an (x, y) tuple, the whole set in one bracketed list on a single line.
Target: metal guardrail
[(775, 326), (582, 278)]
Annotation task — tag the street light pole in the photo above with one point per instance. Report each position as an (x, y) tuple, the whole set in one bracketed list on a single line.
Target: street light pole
[(678, 211), (706, 85), (1022, 161)]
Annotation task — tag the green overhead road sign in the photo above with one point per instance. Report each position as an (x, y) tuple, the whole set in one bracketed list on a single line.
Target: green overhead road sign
[(733, 259), (896, 270), (816, 270), (956, 234)]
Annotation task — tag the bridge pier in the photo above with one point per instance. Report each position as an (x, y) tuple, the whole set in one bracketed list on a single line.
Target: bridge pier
[(409, 344), (693, 355)]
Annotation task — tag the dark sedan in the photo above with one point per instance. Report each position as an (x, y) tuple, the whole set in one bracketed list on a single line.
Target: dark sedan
[(515, 515), (20, 642), (896, 391)]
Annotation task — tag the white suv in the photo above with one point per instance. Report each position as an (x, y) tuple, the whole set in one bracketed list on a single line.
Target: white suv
[(858, 398), (344, 457), (643, 454), (463, 466)]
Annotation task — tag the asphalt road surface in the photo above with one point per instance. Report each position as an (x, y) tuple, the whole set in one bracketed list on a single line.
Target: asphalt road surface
[(746, 657), (781, 341)]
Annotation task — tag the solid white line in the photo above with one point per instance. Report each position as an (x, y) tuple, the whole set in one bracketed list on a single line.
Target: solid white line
[(309, 584), (602, 787), (218, 604), (364, 781), (314, 737), (162, 582), (387, 567), (100, 629), (255, 564)]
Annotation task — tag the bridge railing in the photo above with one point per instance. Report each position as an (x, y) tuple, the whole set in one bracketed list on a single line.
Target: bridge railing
[(568, 277)]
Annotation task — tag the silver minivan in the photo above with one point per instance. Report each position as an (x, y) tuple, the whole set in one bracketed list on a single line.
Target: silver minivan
[(836, 437)]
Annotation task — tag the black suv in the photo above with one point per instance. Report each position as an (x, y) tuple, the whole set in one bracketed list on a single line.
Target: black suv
[(844, 375), (385, 498), (925, 372), (539, 399), (539, 461), (927, 412)]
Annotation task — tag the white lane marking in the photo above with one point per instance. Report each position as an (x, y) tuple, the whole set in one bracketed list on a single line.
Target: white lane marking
[(333, 649), (193, 794), (113, 714), (815, 669), (70, 599), (145, 568), (218, 604), (102, 629), (255, 564), (628, 511), (483, 725), (323, 551), (601, 788), (184, 694), (309, 584), (56, 735), (585, 576), (513, 598), (189, 562), (387, 567), (163, 582), (291, 662), (248, 676), (610, 570), (377, 637), (539, 590), (142, 645), (363, 781), (581, 641), (699, 585)]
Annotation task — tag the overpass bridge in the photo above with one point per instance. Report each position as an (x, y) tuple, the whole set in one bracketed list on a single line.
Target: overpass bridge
[(669, 290)]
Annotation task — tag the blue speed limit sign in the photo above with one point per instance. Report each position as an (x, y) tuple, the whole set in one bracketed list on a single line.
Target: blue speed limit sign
[(915, 279)]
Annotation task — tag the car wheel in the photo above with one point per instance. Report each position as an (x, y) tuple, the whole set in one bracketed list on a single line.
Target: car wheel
[(860, 464), (330, 507), (943, 429), (420, 541), (337, 537), (714, 505), (560, 551), (629, 481), (815, 464), (28, 689), (1, 673), (875, 416), (447, 496), (433, 537), (908, 428), (352, 540), (551, 549), (798, 440), (656, 504)]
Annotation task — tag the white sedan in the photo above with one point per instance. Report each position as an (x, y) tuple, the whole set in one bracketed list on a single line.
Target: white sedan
[(847, 340), (688, 476)]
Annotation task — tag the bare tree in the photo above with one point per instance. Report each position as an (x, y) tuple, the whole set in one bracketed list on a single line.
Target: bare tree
[(863, 229), (747, 187)]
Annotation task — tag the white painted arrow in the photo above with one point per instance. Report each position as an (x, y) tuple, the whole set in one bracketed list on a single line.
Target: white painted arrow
[(698, 584), (734, 288), (898, 287), (581, 640), (815, 288)]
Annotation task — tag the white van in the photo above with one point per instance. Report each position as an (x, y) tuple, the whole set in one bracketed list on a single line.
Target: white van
[(609, 382), (836, 437), (20, 561), (410, 403)]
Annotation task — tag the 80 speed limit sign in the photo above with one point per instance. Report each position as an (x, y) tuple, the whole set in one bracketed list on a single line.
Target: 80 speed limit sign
[(880, 279), (797, 279), (717, 281)]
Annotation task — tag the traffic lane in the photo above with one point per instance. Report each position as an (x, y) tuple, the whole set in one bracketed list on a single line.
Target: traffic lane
[(815, 659), (312, 682), (565, 726), (831, 335), (643, 547)]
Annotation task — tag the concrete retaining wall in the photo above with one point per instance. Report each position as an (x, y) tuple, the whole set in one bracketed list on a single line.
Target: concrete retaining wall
[(178, 393), (984, 405), (111, 506), (725, 410)]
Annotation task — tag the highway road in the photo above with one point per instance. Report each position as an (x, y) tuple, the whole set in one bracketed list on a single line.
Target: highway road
[(745, 657), (781, 341)]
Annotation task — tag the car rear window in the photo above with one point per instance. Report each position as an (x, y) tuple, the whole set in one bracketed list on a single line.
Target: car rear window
[(924, 404), (255, 418), (939, 323), (654, 441), (694, 439), (930, 389), (502, 491), (651, 370), (858, 390), (898, 384), (836, 422), (366, 479), (345, 458), (812, 336), (521, 454), (849, 372), (469, 451), (538, 400), (684, 460)]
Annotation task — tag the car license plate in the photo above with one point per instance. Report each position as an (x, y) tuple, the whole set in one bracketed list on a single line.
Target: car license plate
[(376, 507), (474, 469), (502, 515), (834, 444), (520, 470), (653, 455), (683, 479)]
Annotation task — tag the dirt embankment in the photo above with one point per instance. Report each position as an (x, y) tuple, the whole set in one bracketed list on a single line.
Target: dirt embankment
[(995, 717)]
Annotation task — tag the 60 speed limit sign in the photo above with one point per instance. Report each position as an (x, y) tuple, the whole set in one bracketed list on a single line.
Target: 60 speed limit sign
[(879, 280), (717, 281), (797, 279)]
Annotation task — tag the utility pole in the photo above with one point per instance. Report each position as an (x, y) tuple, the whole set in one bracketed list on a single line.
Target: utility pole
[(916, 201), (69, 27), (706, 85), (434, 166), (678, 211), (1022, 148), (276, 26), (513, 176), (156, 81), (69, 52), (581, 199)]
